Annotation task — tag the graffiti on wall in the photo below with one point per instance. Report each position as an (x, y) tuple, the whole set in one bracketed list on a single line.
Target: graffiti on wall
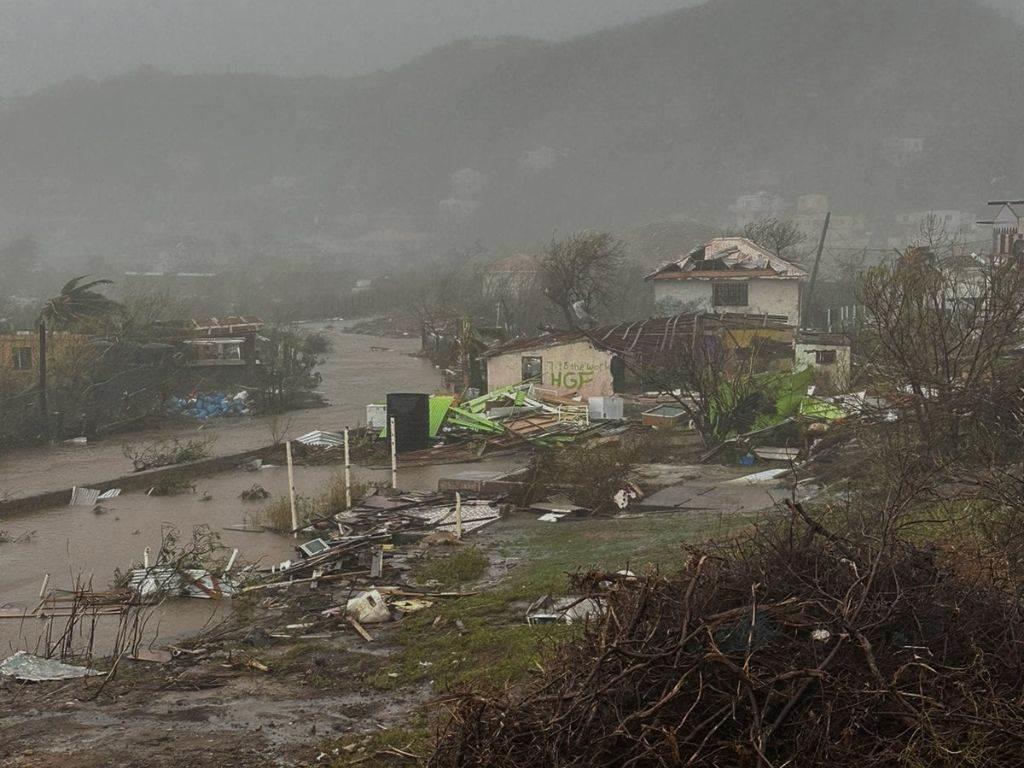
[(569, 374)]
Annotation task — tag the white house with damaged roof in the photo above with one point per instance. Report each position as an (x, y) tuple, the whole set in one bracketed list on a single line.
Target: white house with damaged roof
[(730, 275), (1007, 232)]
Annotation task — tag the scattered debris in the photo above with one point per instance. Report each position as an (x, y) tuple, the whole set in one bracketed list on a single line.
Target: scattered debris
[(155, 655), (157, 581), (368, 608), (171, 485), (204, 407), (321, 439), (560, 505), (565, 610), (83, 497), (772, 453), (28, 667), (255, 493), (359, 628), (6, 538), (165, 454)]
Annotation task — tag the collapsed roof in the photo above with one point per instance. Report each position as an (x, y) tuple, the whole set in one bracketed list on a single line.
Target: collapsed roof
[(226, 326), (729, 257), (654, 336)]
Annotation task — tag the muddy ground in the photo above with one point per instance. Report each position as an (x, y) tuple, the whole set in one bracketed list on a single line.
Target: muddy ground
[(216, 711), (246, 699)]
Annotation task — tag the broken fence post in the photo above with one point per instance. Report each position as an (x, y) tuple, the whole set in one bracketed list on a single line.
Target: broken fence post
[(42, 589), (377, 563), (231, 560), (394, 458), (291, 489), (145, 558), (348, 475), (458, 515)]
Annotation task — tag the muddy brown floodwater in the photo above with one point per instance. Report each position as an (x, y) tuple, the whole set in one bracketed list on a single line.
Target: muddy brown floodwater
[(73, 543)]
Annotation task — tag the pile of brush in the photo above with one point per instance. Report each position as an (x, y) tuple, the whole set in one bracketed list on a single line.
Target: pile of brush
[(804, 644)]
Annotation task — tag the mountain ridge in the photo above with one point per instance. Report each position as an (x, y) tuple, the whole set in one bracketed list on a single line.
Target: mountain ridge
[(669, 116)]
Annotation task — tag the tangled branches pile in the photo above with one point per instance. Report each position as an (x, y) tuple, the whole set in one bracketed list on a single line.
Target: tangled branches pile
[(800, 645)]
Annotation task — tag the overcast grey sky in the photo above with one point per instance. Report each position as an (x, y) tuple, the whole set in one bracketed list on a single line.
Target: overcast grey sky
[(47, 41)]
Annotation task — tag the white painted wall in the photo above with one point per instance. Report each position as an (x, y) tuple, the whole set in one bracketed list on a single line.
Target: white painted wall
[(772, 297), (838, 373), (576, 367)]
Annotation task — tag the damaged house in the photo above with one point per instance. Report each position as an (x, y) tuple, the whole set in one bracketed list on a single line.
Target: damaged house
[(228, 341), (731, 275), (610, 360)]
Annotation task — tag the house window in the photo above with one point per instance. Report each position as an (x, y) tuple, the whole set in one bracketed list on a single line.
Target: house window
[(730, 294), (824, 357), (533, 367), (23, 358)]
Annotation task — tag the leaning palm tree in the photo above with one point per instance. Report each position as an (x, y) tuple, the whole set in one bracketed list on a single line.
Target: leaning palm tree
[(77, 303)]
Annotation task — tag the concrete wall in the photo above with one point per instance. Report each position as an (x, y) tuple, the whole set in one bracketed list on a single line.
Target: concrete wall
[(838, 373), (772, 297), (575, 367)]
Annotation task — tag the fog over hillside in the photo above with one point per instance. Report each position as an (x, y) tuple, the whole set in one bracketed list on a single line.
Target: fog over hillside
[(504, 141), (47, 41)]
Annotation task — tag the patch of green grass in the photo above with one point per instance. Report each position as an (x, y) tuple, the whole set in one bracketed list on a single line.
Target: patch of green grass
[(497, 647), (463, 565), (380, 748), (277, 515)]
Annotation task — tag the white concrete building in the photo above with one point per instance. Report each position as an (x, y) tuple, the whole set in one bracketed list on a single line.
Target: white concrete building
[(730, 275), (827, 353)]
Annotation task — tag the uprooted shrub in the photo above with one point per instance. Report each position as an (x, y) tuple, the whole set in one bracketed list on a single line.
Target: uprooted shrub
[(803, 644), (165, 454), (589, 477)]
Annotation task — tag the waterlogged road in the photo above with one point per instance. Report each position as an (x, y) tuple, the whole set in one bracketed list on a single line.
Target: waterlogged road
[(353, 375)]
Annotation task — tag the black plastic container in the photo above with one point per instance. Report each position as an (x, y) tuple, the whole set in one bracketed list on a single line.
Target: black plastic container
[(411, 413)]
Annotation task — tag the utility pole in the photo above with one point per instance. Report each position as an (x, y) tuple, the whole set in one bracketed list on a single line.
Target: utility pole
[(806, 304)]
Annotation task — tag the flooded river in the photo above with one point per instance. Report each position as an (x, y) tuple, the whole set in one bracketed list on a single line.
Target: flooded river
[(72, 543)]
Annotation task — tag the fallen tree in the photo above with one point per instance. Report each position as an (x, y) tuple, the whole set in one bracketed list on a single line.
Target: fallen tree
[(833, 641)]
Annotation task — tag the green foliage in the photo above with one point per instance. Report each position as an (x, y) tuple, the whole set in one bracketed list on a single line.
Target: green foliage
[(77, 303), (497, 647), (277, 515), (462, 566)]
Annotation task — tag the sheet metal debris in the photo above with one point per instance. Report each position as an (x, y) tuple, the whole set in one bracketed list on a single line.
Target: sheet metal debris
[(161, 580), (26, 666), (83, 497), (320, 439), (564, 610)]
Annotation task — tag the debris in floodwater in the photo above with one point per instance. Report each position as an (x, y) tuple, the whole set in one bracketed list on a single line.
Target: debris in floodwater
[(255, 493), (186, 582), (83, 497), (322, 439), (6, 538)]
